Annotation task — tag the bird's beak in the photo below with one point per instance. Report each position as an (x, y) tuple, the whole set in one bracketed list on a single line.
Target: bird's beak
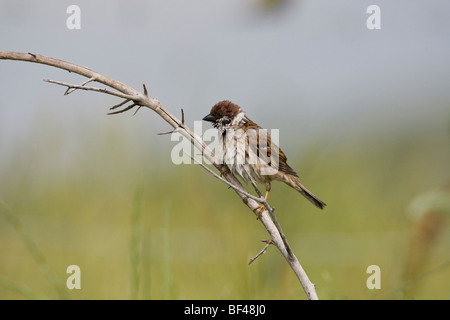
[(209, 118)]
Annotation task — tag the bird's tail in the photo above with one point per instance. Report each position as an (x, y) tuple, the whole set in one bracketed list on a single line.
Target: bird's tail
[(295, 183)]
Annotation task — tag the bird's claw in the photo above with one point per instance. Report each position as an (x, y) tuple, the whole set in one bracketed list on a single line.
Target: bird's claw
[(259, 210), (224, 171)]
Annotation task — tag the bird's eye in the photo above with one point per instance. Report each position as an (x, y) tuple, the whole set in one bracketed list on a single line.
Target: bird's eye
[(226, 121)]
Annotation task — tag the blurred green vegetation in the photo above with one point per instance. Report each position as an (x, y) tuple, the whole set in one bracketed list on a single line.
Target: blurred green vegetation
[(140, 227)]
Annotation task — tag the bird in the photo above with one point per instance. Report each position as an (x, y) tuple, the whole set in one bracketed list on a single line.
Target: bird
[(248, 152)]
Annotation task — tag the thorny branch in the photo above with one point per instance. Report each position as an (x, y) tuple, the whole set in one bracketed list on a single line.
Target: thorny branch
[(240, 190), (73, 87), (272, 215), (138, 99)]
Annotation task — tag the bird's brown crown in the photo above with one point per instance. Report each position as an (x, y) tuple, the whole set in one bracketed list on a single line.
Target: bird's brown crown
[(225, 108)]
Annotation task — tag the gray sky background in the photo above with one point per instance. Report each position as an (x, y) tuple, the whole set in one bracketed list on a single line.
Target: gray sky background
[(311, 67)]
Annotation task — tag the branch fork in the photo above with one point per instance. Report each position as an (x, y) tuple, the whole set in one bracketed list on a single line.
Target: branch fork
[(268, 243)]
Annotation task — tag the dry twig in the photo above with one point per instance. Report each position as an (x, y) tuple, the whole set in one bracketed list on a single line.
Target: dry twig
[(143, 100), (268, 243)]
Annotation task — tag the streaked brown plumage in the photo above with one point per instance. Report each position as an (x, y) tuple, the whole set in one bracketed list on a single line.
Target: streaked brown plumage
[(248, 150)]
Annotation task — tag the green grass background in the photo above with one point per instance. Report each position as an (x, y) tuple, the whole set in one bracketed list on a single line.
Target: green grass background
[(140, 227)]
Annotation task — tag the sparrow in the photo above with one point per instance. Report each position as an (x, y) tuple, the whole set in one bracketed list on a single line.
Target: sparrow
[(248, 151)]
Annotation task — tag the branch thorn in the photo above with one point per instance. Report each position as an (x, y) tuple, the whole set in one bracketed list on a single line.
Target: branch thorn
[(145, 90), (123, 110)]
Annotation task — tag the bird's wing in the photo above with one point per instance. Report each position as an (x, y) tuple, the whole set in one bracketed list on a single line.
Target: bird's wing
[(260, 142)]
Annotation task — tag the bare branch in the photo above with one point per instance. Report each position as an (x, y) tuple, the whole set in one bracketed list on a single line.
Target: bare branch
[(82, 87), (143, 100), (272, 215), (168, 132), (264, 201), (120, 104), (226, 182), (70, 90), (268, 243), (131, 106), (174, 130)]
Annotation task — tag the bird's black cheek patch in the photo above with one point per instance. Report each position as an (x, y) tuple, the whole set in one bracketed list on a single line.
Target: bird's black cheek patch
[(226, 121)]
